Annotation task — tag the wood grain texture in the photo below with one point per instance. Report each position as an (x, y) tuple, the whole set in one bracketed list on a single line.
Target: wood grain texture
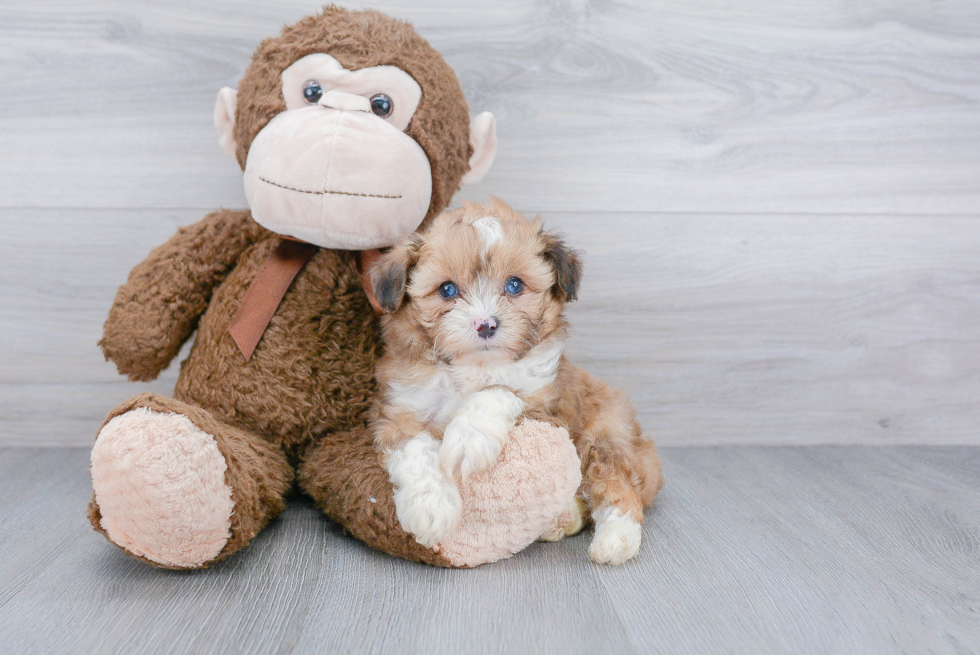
[(750, 550), (778, 200), (744, 329), (672, 105)]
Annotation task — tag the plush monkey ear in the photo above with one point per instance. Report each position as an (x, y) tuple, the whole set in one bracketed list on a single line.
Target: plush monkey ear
[(567, 266), (483, 138), (224, 119), (390, 275)]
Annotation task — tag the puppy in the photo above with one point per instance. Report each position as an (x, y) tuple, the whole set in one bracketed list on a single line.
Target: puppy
[(474, 333)]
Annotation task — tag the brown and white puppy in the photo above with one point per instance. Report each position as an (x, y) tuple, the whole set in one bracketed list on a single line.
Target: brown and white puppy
[(475, 333)]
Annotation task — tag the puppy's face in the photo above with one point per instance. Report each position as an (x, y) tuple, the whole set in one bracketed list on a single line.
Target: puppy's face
[(483, 284)]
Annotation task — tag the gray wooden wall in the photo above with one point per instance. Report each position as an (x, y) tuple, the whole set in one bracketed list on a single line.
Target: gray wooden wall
[(778, 199)]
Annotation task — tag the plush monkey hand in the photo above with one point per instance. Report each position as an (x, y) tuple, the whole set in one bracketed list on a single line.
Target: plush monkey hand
[(158, 307)]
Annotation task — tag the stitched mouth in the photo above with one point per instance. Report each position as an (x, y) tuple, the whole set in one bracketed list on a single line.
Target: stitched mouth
[(327, 191)]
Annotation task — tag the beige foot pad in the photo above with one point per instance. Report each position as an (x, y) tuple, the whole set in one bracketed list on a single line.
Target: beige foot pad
[(160, 486)]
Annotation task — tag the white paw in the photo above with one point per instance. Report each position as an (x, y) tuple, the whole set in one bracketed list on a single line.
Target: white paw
[(475, 437), (467, 449), (427, 504), (617, 537)]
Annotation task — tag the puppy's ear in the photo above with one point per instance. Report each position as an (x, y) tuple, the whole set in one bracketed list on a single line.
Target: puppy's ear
[(390, 275), (567, 266)]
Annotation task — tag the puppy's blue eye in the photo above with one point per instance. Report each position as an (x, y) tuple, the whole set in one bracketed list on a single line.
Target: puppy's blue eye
[(312, 92), (448, 290), (514, 286)]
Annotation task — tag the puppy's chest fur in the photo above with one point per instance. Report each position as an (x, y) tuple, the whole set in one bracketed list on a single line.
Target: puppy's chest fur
[(436, 392)]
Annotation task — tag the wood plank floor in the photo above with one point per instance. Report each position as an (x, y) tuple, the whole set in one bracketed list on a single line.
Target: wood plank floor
[(750, 550)]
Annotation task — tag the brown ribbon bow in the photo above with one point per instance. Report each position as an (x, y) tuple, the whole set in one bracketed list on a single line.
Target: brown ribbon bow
[(263, 296)]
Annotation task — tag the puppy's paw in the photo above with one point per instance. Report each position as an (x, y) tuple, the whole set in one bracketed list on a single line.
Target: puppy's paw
[(467, 448), (569, 522), (475, 437), (427, 504), (429, 515), (617, 537)]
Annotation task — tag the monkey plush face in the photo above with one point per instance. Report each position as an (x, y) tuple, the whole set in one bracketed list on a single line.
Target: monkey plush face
[(336, 168), (351, 130)]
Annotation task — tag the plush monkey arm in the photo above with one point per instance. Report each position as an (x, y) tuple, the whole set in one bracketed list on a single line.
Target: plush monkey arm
[(158, 307)]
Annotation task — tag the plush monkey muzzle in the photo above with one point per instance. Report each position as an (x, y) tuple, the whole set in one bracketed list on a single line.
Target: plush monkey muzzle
[(337, 178)]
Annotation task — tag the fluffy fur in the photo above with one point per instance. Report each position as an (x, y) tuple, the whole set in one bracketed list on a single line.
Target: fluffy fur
[(428, 504), (442, 378)]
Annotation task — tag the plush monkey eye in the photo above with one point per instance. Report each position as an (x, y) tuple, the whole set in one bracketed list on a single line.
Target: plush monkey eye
[(312, 92), (382, 105), (514, 286), (448, 290)]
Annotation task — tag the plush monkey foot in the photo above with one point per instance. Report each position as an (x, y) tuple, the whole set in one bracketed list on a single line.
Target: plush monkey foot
[(160, 485), (508, 506), (570, 522), (164, 490), (504, 507)]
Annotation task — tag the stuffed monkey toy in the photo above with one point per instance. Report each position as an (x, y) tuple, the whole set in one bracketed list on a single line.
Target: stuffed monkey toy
[(352, 132)]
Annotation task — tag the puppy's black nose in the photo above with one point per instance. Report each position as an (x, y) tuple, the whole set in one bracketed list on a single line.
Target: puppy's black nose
[(487, 328)]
